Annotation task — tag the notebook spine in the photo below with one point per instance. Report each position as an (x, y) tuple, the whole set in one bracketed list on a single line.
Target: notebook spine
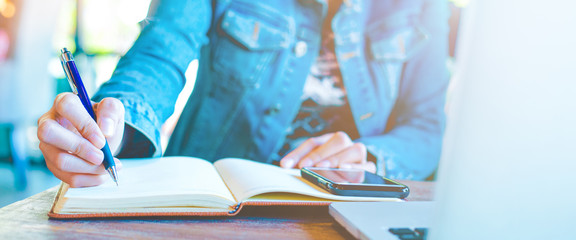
[(235, 210)]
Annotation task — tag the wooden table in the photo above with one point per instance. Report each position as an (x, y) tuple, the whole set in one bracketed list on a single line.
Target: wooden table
[(27, 219)]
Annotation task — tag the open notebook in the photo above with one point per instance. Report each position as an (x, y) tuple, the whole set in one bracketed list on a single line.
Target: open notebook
[(186, 186)]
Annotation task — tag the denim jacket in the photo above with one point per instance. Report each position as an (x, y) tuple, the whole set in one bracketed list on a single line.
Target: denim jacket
[(254, 57)]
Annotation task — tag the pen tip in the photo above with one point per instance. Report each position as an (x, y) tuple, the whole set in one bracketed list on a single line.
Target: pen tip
[(113, 174)]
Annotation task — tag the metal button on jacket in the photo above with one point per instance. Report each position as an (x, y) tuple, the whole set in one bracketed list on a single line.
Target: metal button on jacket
[(274, 109), (300, 49)]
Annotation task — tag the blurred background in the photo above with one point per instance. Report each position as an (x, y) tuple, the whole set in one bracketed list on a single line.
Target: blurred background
[(98, 32)]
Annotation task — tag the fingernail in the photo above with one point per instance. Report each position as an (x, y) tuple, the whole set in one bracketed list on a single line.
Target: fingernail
[(107, 127), (95, 157), (98, 140), (325, 164), (288, 163), (345, 165), (306, 163)]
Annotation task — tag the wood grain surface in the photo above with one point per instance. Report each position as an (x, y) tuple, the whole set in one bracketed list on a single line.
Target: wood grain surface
[(27, 219)]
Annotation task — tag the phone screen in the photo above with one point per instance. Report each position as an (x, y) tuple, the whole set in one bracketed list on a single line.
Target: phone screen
[(354, 176)]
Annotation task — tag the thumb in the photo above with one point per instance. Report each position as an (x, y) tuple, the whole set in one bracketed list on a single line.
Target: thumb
[(110, 115)]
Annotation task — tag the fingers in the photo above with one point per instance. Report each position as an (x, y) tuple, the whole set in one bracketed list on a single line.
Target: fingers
[(66, 124), (337, 142), (73, 170), (52, 133), (67, 162), (368, 166), (77, 179), (292, 158), (62, 162), (68, 106), (333, 150), (71, 140), (355, 154)]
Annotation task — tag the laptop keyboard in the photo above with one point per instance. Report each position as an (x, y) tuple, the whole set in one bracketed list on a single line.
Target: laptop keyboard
[(409, 233)]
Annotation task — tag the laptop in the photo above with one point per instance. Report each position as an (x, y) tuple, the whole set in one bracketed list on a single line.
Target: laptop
[(508, 168), (384, 220)]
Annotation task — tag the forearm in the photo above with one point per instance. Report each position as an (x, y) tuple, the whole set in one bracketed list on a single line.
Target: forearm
[(411, 148), (409, 151), (150, 76)]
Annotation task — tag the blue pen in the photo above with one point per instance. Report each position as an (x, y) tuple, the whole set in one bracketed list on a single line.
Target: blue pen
[(78, 87)]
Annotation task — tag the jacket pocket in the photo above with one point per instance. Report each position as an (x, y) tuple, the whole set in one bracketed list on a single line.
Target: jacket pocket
[(393, 41), (249, 38)]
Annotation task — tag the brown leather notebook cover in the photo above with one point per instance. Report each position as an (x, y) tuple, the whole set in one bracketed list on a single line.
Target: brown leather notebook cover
[(58, 202)]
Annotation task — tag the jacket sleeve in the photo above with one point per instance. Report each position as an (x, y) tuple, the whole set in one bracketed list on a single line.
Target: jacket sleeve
[(150, 76), (411, 148)]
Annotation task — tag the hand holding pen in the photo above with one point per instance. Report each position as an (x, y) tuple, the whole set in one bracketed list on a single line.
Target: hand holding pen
[(71, 140)]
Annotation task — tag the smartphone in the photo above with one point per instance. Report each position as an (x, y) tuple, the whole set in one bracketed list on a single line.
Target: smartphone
[(354, 182)]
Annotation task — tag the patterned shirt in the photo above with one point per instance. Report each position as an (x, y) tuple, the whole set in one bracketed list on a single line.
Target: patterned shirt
[(325, 108)]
